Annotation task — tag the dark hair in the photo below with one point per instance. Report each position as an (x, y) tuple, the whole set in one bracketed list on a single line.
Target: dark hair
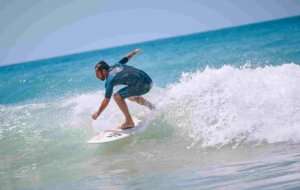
[(102, 65)]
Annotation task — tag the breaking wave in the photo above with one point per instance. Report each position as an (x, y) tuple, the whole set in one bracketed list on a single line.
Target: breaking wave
[(211, 108)]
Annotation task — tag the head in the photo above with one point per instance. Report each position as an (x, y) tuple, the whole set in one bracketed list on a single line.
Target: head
[(101, 70)]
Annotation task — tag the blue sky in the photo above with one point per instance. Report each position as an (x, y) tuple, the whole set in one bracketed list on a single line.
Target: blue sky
[(36, 29)]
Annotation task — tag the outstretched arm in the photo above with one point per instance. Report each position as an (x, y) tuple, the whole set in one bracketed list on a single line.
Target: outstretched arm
[(104, 104), (129, 55)]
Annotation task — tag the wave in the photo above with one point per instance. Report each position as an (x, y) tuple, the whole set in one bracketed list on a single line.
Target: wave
[(210, 108), (229, 105)]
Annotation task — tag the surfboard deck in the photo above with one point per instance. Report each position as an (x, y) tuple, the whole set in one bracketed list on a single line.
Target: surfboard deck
[(115, 134)]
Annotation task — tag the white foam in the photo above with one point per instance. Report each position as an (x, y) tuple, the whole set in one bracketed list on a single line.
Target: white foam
[(216, 107), (213, 107), (83, 106)]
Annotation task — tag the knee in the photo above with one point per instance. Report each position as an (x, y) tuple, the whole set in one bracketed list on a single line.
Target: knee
[(132, 98)]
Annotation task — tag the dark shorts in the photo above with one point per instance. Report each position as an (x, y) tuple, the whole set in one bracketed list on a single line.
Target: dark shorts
[(135, 90)]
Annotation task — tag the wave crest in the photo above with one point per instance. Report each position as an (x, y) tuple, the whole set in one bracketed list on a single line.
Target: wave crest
[(216, 107)]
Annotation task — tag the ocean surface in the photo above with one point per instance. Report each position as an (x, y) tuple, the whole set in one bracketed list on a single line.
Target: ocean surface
[(228, 116)]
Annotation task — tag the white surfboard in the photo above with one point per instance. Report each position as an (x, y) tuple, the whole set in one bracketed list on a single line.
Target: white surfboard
[(115, 134)]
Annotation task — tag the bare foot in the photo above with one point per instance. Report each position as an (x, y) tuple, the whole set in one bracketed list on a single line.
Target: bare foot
[(126, 126)]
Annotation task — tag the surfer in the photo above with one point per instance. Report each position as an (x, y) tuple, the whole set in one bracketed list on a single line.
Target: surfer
[(137, 81)]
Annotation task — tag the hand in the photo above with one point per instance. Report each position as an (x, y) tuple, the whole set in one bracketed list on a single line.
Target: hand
[(137, 51), (95, 115)]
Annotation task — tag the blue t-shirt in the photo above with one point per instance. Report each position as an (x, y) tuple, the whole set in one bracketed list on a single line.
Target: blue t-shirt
[(121, 74)]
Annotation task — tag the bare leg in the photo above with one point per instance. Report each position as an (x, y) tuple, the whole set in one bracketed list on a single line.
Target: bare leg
[(142, 101), (123, 107)]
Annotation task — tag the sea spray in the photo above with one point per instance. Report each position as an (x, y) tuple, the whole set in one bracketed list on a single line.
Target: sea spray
[(213, 107), (216, 107)]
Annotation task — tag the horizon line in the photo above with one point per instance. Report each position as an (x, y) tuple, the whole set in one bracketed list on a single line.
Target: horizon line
[(146, 41)]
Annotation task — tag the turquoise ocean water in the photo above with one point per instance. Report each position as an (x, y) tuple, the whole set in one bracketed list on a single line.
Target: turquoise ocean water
[(228, 116)]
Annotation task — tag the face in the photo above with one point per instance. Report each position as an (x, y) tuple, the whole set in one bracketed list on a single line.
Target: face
[(100, 74)]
